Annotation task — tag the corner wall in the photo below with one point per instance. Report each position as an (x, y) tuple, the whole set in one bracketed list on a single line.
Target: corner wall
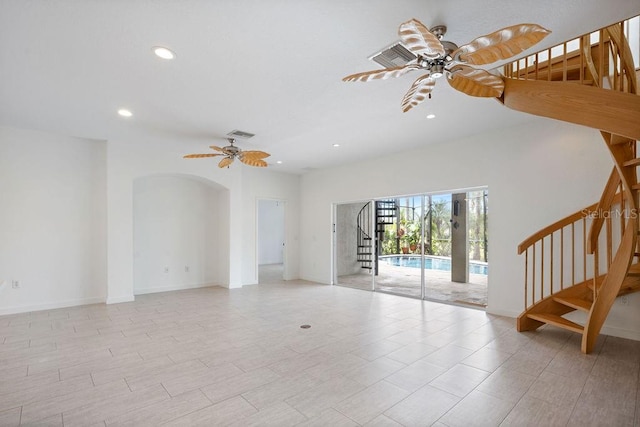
[(52, 221)]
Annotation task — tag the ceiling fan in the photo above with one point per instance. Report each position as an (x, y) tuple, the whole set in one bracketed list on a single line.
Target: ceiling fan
[(231, 152), (438, 57)]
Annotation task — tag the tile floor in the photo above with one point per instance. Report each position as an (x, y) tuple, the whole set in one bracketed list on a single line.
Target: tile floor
[(215, 357), (407, 281)]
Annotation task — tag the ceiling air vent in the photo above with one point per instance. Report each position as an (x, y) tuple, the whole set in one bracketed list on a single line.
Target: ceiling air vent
[(395, 55), (240, 134)]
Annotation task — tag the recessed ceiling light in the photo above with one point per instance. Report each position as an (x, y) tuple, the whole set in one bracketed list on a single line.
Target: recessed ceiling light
[(431, 116), (336, 145), (125, 113), (163, 52), (279, 162)]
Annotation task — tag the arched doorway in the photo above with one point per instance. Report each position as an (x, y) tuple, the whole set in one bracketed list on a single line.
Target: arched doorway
[(179, 235)]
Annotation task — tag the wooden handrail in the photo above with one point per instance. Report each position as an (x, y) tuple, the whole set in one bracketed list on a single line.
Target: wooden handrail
[(556, 226), (616, 34)]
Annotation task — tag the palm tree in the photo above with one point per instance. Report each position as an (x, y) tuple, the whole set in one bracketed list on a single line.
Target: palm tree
[(441, 227)]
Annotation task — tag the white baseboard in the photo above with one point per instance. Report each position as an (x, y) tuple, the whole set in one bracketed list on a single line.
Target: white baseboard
[(118, 300), (157, 289), (315, 280), (502, 312), (52, 305)]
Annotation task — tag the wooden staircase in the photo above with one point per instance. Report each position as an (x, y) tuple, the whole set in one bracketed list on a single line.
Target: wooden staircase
[(583, 262)]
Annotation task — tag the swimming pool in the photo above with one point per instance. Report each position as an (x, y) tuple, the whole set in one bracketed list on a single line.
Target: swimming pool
[(443, 264)]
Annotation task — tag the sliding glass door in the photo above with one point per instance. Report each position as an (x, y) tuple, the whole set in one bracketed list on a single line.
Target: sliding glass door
[(399, 251), (431, 246)]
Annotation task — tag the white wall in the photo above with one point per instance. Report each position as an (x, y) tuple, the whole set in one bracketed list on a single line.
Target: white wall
[(270, 232), (176, 233), (52, 220), (536, 174), (67, 215)]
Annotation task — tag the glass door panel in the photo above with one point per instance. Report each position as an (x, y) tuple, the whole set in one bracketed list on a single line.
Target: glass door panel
[(437, 247), (399, 251), (478, 210)]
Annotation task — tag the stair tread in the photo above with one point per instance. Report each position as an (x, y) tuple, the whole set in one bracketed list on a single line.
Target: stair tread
[(617, 139), (577, 303), (558, 321), (634, 270), (632, 162)]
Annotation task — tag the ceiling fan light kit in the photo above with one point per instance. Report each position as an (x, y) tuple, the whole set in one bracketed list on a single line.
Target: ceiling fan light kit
[(440, 57)]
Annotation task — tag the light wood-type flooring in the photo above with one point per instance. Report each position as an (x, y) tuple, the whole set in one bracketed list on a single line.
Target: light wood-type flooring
[(217, 357)]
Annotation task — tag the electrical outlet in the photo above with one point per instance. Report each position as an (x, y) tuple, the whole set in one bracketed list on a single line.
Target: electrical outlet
[(166, 269), (15, 284), (186, 268), (624, 300)]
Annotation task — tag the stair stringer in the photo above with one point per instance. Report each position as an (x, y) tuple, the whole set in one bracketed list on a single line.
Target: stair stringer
[(608, 291), (610, 288), (602, 109)]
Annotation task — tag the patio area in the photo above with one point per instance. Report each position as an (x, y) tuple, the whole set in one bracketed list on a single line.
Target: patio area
[(406, 281)]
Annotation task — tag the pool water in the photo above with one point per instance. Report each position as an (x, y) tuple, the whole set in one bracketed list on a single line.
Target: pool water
[(443, 264)]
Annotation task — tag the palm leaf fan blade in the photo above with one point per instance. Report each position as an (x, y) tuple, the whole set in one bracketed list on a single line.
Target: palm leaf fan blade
[(476, 82), (418, 92), (225, 162), (254, 154), (501, 44), (215, 147), (367, 76), (253, 162), (420, 40)]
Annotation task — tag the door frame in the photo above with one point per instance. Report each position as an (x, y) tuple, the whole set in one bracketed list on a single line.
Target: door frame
[(285, 237)]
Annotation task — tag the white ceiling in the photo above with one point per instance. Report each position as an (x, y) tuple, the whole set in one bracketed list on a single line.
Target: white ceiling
[(270, 67)]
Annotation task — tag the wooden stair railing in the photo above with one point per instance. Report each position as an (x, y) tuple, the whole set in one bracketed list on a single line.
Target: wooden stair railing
[(557, 262), (538, 85)]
